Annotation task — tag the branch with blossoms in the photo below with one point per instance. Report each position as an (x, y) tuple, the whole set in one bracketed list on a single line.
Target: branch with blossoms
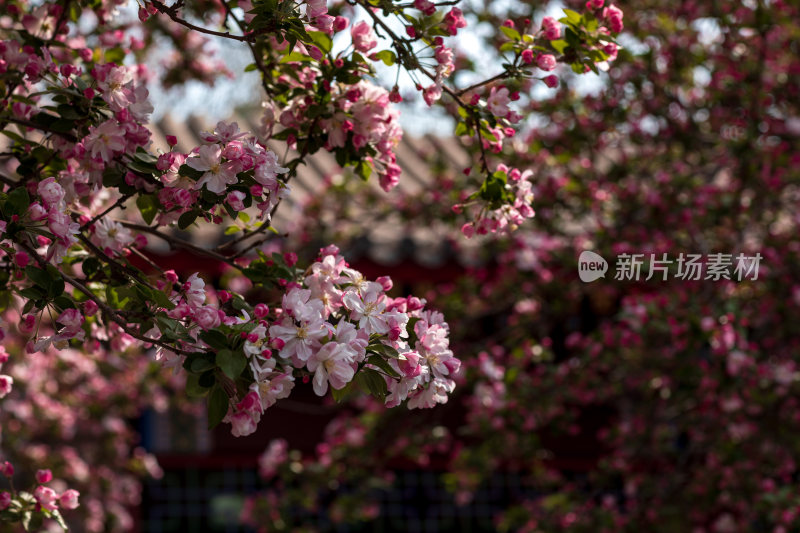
[(83, 191), (31, 508)]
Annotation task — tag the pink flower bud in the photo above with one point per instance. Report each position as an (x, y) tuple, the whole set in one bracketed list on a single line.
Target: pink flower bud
[(277, 344), (290, 258), (43, 476), (261, 310), (385, 282), (415, 304), (46, 497), (468, 230), (171, 276), (172, 140), (69, 499), (27, 324), (315, 53), (5, 500), (224, 296), (340, 23), (409, 364), (551, 81), (22, 259), (546, 62), (6, 469), (90, 308)]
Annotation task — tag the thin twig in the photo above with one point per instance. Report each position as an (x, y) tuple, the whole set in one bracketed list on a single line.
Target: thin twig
[(180, 243)]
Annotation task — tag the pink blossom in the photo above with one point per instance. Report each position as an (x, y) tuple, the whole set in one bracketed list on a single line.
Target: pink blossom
[(105, 141), (43, 476), (207, 317), (261, 310), (551, 81), (71, 319), (315, 8), (454, 20), (235, 199), (242, 424), (46, 497), (333, 363), (69, 499), (368, 308), (217, 175), (6, 384), (50, 192), (21, 259), (498, 101), (427, 7), (111, 235), (363, 37), (5, 500), (614, 16), (551, 28), (546, 62)]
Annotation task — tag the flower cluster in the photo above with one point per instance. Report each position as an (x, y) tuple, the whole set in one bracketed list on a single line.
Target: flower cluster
[(512, 185), (335, 325), (44, 501), (232, 164), (361, 118)]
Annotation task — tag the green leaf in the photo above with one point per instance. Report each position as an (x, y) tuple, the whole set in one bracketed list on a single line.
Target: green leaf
[(232, 363), (193, 387), (372, 382), (412, 335), (230, 230), (296, 57), (339, 395), (56, 515), (90, 265), (17, 202), (216, 339), (64, 303), (217, 407), (187, 219), (39, 277), (5, 300), (387, 56), (322, 40), (572, 17), (199, 363), (148, 206), (559, 45), (364, 170), (56, 288), (186, 170), (511, 33), (381, 363), (383, 349)]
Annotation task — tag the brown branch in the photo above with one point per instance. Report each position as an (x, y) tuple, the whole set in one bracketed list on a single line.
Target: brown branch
[(40, 127), (116, 204), (107, 310), (172, 13), (179, 243)]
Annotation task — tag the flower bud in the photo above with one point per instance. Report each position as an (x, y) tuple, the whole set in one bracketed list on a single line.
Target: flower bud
[(43, 476)]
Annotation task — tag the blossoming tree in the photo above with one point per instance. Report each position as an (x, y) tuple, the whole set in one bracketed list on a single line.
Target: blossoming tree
[(86, 308), (665, 403)]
